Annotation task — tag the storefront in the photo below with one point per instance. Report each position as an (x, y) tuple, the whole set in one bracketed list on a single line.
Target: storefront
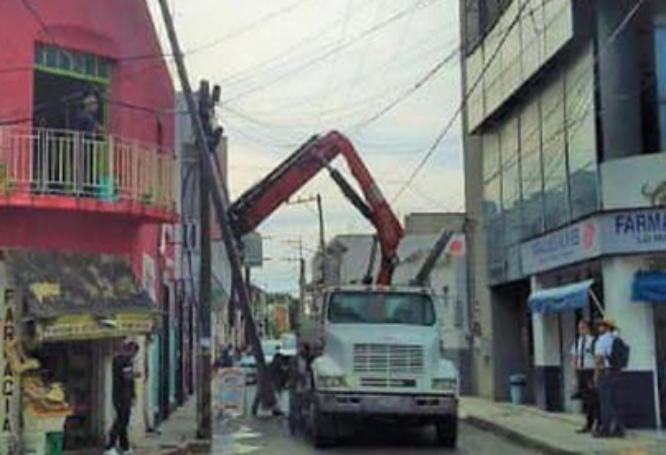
[(620, 253), (72, 311)]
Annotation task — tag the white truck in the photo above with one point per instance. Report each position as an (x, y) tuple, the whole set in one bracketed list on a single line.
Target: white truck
[(379, 357)]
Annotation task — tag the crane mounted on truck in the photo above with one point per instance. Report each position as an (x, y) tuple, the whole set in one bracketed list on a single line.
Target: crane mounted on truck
[(260, 201), (380, 344)]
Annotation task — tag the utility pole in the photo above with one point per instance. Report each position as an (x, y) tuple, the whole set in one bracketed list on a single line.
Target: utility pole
[(322, 235), (220, 199), (322, 239), (204, 409)]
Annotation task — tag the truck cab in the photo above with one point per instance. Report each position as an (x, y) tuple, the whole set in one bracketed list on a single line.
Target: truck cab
[(380, 358)]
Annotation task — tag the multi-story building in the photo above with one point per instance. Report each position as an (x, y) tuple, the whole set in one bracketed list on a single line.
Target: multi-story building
[(564, 127), (86, 163)]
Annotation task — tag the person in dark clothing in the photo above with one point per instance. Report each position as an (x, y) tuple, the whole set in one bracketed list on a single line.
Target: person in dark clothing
[(227, 360), (278, 369), (608, 380), (123, 397), (582, 358), (90, 128), (298, 383)]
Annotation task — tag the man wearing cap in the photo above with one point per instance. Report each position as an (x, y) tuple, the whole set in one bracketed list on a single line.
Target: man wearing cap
[(608, 383)]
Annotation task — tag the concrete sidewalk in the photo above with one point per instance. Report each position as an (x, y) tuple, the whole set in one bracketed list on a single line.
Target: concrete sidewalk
[(176, 435), (553, 433)]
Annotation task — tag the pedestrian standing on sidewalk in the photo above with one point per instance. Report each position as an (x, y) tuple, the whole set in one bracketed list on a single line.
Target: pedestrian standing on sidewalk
[(607, 378), (123, 397), (582, 359)]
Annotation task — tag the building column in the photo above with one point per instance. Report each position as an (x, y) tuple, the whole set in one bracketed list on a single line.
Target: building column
[(636, 324), (547, 359)]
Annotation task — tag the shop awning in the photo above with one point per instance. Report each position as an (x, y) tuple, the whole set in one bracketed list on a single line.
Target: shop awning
[(649, 286), (79, 296), (563, 298)]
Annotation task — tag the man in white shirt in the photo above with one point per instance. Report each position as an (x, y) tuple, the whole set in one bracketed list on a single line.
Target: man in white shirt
[(582, 359), (608, 383)]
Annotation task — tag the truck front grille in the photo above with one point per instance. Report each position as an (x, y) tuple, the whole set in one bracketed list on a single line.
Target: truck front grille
[(385, 382), (388, 359)]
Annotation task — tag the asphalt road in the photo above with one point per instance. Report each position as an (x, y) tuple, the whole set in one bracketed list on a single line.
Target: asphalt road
[(269, 436)]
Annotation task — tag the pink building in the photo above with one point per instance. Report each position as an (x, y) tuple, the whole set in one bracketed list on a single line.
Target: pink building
[(86, 195)]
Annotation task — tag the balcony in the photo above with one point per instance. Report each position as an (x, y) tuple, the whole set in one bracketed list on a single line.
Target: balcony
[(66, 170)]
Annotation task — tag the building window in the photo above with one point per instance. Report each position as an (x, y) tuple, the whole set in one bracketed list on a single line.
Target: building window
[(509, 143), (581, 137), (660, 64), (554, 155), (492, 202), (532, 172), (75, 63), (62, 80)]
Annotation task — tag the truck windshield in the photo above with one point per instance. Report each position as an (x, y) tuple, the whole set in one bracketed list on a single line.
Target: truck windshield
[(381, 308)]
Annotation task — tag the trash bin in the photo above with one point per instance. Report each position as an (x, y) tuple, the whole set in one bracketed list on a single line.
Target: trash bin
[(518, 384), (54, 443)]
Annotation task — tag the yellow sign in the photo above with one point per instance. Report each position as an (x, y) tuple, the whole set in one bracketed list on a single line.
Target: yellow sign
[(45, 290), (88, 327)]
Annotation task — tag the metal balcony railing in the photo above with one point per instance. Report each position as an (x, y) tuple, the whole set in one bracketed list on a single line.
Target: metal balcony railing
[(71, 163)]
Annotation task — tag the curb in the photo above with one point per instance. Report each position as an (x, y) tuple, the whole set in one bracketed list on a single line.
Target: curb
[(515, 436)]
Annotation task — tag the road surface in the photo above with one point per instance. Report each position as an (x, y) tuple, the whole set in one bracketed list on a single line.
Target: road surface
[(269, 436)]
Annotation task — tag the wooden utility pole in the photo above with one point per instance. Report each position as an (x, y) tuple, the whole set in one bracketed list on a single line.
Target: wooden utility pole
[(220, 199), (322, 234), (322, 238), (204, 410)]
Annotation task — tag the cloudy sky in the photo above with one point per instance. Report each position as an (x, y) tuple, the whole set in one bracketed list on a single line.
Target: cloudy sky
[(293, 68)]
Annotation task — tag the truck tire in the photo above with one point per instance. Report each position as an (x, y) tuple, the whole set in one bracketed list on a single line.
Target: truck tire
[(447, 431), (321, 428)]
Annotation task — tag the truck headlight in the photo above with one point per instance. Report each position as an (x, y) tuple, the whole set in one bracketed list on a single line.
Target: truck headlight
[(332, 382), (445, 384)]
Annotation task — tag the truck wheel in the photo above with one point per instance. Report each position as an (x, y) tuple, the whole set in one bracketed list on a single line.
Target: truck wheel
[(447, 431), (320, 428)]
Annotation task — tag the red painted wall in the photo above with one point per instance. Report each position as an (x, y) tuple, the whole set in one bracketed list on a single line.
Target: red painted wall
[(120, 30), (115, 29)]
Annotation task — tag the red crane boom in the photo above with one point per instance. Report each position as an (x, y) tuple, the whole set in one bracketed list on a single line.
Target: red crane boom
[(260, 201)]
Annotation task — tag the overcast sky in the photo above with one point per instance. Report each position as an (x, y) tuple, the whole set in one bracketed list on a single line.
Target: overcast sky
[(293, 68)]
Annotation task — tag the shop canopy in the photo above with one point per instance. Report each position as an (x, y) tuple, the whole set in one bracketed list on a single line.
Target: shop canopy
[(649, 286), (79, 296), (563, 298)]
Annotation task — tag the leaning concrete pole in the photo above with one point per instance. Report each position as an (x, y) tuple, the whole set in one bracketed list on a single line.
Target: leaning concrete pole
[(220, 199)]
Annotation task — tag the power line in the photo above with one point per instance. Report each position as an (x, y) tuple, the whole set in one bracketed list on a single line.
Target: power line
[(418, 85), (368, 32), (241, 31), (550, 164), (414, 57), (449, 124), (252, 71), (160, 55)]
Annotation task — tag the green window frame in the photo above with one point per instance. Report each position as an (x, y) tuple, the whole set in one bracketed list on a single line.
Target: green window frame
[(65, 62)]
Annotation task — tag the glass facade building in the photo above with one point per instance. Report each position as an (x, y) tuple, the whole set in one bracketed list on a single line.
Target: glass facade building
[(540, 162)]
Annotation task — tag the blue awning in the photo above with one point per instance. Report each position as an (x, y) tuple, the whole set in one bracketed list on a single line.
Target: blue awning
[(564, 298), (649, 287)]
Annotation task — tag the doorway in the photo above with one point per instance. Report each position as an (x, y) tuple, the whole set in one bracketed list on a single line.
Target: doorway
[(79, 367)]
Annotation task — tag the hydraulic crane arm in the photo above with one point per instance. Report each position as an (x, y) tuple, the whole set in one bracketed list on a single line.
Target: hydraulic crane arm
[(260, 201)]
